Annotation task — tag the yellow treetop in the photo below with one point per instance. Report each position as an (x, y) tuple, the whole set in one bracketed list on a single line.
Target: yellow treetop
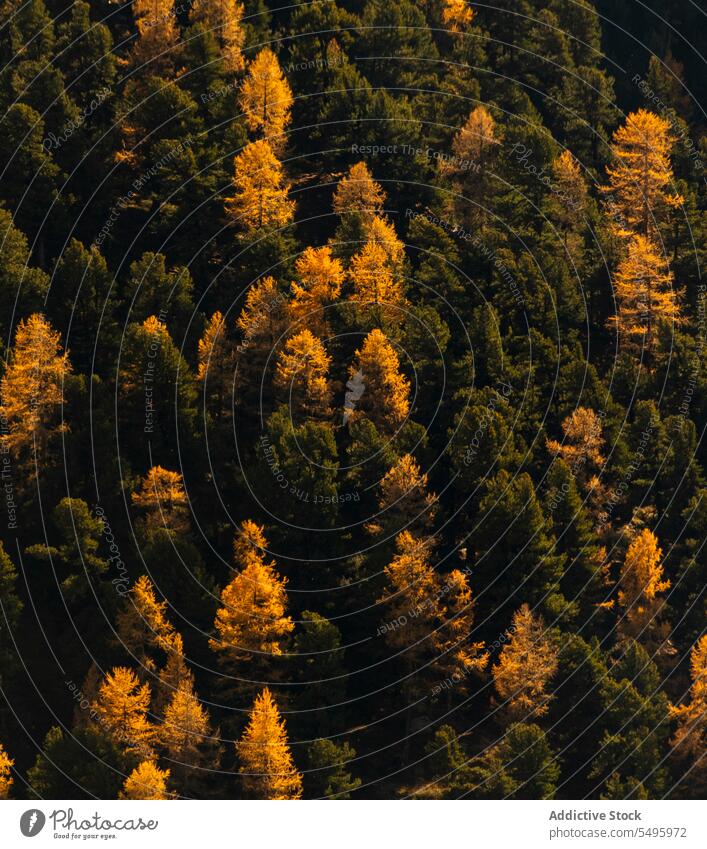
[(260, 189), (185, 725), (32, 386), (143, 621), (583, 442), (319, 280), (158, 34), (261, 319), (411, 587), (641, 176), (569, 192), (525, 666), (266, 98), (382, 233), (691, 735), (404, 493), (387, 391), (6, 779), (122, 706), (302, 373), (474, 140), (164, 500), (642, 580), (266, 761), (146, 781), (252, 618), (212, 346), (643, 285), (375, 283), (358, 193), (458, 14), (223, 18), (421, 607)]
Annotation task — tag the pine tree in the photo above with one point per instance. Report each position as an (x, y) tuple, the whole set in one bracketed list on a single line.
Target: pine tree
[(6, 779), (525, 666), (266, 98), (22, 287), (318, 285), (122, 706), (327, 775), (385, 399), (260, 198), (10, 610), (163, 501), (146, 781), (691, 735), (475, 141), (645, 295), (32, 389), (251, 622), (266, 761), (473, 152), (301, 375), (640, 584), (640, 181), (223, 18)]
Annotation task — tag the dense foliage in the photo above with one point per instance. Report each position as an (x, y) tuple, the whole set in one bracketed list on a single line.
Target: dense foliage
[(352, 397)]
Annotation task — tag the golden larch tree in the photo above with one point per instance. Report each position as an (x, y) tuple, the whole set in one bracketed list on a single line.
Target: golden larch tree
[(302, 374), (32, 388), (641, 583), (320, 277), (583, 442), (158, 34), (690, 740), (260, 190), (405, 499), (185, 726), (262, 318), (143, 623), (568, 196), (645, 295), (163, 500), (266, 98), (381, 232), (122, 705), (421, 607), (216, 364), (457, 14), (641, 175), (223, 18), (475, 140), (386, 396), (525, 666), (358, 193), (252, 620), (6, 779), (267, 766), (147, 781), (377, 289)]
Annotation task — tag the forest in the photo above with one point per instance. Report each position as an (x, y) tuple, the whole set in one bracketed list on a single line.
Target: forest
[(353, 388)]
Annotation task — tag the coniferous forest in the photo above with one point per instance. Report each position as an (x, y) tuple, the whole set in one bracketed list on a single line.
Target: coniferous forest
[(352, 399)]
